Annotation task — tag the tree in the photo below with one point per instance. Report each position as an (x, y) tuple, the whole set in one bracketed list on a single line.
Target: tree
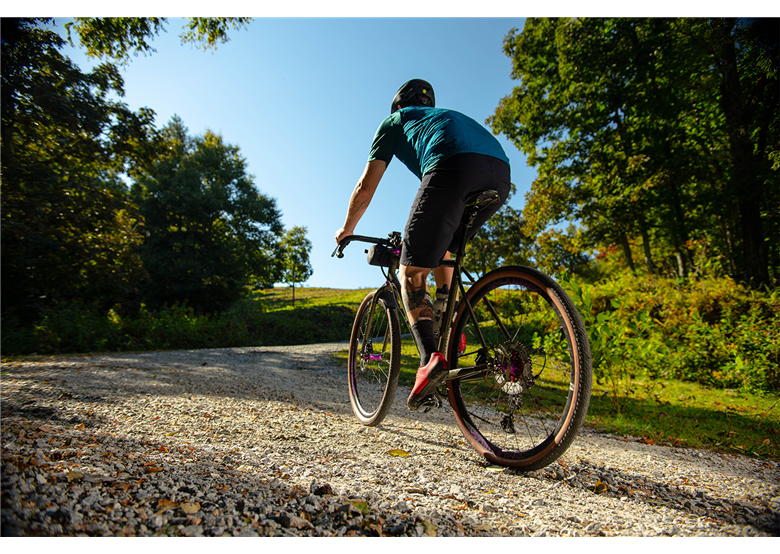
[(296, 248), (625, 120), (210, 233), (68, 232), (746, 56), (119, 37), (559, 253)]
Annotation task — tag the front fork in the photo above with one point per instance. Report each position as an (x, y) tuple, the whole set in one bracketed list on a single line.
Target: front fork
[(367, 349)]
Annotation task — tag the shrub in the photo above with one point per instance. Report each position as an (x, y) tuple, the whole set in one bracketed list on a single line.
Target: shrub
[(84, 328), (711, 331)]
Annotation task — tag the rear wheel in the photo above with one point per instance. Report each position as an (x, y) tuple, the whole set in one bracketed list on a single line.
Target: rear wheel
[(374, 360), (525, 409)]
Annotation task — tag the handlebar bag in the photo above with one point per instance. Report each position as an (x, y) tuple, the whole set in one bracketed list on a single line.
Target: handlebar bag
[(379, 255)]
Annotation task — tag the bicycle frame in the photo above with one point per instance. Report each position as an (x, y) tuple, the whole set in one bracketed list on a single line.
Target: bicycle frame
[(392, 288)]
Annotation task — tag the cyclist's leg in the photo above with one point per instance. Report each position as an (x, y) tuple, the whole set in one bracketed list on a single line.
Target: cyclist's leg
[(443, 274), (433, 222), (415, 292), (428, 232), (433, 368), (419, 308)]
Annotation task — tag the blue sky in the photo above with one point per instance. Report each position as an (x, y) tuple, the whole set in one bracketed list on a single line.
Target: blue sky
[(302, 99)]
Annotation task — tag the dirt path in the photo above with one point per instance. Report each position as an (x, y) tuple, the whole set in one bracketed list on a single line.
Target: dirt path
[(262, 441)]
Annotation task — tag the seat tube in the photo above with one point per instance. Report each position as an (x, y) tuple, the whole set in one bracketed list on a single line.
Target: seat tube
[(455, 286)]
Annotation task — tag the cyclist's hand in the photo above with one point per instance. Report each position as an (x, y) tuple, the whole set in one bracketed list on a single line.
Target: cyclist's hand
[(341, 234)]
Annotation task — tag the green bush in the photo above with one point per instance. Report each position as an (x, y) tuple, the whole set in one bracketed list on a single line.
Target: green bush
[(309, 325), (712, 331), (82, 328), (74, 327)]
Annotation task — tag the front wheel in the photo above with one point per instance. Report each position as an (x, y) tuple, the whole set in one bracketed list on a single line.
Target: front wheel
[(526, 407), (374, 360)]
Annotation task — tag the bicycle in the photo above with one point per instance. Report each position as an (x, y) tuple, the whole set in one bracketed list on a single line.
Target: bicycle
[(517, 351)]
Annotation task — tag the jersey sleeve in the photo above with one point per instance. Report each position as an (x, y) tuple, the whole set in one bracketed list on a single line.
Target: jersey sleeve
[(385, 141)]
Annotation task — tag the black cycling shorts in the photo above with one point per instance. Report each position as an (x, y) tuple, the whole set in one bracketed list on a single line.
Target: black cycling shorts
[(435, 217)]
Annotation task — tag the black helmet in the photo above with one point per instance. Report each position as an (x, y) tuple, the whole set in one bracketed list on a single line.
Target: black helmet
[(414, 93)]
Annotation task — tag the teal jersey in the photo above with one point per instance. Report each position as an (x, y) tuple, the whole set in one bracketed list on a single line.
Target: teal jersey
[(421, 137)]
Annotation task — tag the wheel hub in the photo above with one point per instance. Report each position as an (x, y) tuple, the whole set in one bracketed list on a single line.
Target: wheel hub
[(513, 368)]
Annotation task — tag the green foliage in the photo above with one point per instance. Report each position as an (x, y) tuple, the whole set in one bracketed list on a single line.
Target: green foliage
[(296, 248), (713, 331), (323, 315), (558, 253), (119, 37), (621, 347), (209, 232), (68, 233), (80, 327), (73, 243), (654, 131)]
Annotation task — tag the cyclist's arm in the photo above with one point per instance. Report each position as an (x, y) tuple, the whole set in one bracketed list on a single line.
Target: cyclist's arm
[(361, 196)]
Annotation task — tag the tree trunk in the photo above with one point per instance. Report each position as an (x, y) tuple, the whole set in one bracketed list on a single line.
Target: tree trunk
[(626, 247), (651, 269), (744, 182)]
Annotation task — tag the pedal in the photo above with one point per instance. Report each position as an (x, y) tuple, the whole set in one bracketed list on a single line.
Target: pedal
[(430, 402)]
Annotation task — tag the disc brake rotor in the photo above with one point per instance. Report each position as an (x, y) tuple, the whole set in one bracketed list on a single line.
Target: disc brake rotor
[(513, 368)]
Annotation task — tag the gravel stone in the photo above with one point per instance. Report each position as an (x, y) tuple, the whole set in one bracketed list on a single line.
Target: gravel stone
[(262, 442)]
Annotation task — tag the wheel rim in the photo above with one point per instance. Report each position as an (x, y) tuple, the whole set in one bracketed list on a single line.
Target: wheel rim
[(370, 366)]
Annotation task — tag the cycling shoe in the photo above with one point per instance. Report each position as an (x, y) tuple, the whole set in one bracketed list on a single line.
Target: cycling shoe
[(429, 376)]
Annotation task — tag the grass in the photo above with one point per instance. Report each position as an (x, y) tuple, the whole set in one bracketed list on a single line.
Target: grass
[(678, 413), (670, 413), (281, 298), (667, 412)]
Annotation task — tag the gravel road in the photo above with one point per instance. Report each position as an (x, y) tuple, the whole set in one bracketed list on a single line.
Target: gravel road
[(262, 442)]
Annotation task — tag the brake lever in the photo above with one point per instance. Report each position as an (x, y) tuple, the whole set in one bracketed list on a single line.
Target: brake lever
[(339, 251)]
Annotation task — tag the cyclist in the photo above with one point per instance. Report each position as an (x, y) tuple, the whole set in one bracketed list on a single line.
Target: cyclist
[(454, 156)]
